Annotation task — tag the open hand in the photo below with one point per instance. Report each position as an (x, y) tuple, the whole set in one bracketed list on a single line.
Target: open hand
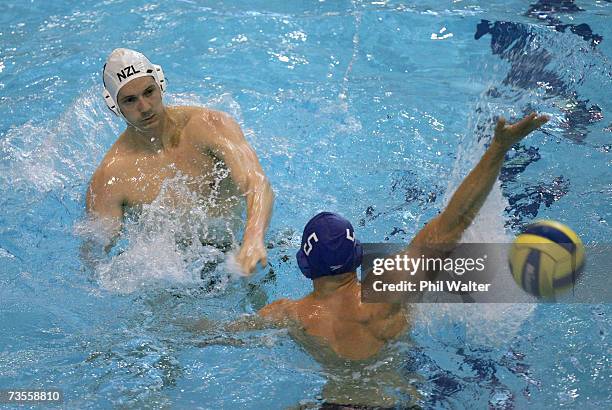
[(250, 254), (508, 135)]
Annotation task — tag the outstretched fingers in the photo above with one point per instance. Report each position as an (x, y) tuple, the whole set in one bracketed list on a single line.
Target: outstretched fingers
[(530, 123), (501, 123), (510, 134), (541, 120), (523, 125)]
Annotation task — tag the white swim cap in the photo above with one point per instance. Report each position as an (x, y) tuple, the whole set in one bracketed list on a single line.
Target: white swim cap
[(124, 65)]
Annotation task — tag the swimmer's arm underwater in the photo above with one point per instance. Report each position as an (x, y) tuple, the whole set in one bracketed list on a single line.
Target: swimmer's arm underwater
[(270, 316), (274, 315), (246, 171)]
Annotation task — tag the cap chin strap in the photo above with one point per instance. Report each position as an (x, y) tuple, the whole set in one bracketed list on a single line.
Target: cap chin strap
[(112, 105)]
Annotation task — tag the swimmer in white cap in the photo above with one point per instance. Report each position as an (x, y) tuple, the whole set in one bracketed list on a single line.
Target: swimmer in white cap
[(162, 142)]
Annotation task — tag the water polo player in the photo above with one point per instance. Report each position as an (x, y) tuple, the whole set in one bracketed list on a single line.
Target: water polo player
[(161, 142), (330, 253)]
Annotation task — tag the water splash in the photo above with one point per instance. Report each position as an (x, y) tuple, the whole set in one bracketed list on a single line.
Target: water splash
[(173, 240)]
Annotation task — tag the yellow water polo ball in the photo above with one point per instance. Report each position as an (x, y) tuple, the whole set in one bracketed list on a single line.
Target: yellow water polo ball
[(546, 258)]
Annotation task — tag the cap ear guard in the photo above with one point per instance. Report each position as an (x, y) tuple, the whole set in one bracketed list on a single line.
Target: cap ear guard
[(160, 78), (358, 254), (303, 263), (110, 104), (108, 98)]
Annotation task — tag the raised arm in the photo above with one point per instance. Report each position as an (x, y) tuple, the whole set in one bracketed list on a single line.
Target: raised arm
[(248, 175), (442, 233)]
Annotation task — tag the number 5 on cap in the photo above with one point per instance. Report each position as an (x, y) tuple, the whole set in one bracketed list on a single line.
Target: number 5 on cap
[(308, 244)]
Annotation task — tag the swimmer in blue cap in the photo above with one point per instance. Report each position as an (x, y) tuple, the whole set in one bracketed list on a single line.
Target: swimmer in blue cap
[(330, 253), (204, 147)]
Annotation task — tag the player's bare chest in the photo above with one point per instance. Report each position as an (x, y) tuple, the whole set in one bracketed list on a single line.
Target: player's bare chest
[(148, 175)]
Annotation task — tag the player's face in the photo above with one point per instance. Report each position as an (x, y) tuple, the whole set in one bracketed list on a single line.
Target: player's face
[(140, 103)]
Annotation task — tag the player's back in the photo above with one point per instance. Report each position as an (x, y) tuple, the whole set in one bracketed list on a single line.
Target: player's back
[(352, 329)]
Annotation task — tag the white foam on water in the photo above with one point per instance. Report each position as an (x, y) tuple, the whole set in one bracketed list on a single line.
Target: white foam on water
[(57, 155), (6, 254), (170, 241)]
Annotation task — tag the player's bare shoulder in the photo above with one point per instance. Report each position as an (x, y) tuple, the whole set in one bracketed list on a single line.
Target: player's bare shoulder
[(105, 182), (120, 154), (117, 161), (208, 125), (281, 311)]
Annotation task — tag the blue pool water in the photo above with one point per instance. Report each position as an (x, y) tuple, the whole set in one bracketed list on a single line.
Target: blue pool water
[(372, 109)]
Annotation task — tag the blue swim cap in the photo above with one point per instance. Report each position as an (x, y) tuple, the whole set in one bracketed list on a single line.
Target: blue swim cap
[(328, 247)]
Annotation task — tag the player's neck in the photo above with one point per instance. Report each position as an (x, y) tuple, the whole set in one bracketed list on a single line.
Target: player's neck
[(328, 285), (157, 139)]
